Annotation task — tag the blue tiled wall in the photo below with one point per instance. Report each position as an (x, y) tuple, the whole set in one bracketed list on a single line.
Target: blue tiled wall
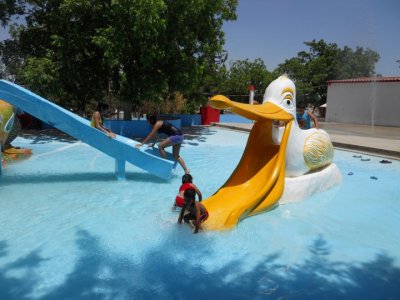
[(140, 128), (188, 120), (134, 128)]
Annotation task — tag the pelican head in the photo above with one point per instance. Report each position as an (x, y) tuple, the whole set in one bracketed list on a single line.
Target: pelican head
[(282, 93), (278, 104)]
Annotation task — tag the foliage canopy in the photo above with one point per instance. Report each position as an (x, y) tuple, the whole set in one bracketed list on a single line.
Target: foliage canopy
[(326, 61), (147, 49)]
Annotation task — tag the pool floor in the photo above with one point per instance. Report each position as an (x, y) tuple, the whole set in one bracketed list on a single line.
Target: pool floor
[(69, 230)]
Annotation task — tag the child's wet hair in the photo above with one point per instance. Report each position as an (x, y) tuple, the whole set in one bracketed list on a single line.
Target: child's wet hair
[(101, 106), (187, 178), (151, 118), (189, 195)]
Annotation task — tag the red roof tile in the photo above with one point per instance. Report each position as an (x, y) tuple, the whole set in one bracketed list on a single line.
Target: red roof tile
[(366, 79)]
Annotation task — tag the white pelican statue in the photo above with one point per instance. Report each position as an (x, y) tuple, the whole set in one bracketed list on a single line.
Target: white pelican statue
[(279, 164)]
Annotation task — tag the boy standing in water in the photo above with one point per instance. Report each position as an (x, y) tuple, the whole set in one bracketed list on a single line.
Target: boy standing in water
[(197, 213)]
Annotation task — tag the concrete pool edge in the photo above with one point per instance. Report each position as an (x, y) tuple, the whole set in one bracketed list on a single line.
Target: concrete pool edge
[(347, 141)]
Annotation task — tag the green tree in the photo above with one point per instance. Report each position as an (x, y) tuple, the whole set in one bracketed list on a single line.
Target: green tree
[(149, 49), (43, 77), (11, 54), (214, 79), (322, 62), (54, 51), (242, 74), (3, 70), (9, 8), (83, 71), (131, 41), (311, 69), (163, 46), (358, 63)]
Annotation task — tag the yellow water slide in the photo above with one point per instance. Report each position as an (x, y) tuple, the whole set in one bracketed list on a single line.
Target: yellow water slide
[(258, 181)]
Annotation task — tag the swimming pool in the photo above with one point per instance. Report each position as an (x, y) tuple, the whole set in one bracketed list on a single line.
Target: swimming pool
[(70, 231)]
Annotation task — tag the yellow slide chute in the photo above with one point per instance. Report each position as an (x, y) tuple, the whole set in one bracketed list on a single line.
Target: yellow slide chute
[(258, 181)]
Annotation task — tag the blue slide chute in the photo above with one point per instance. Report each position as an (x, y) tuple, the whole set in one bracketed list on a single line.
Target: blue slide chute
[(120, 148)]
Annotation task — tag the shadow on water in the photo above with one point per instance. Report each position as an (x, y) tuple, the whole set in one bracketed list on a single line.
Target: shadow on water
[(77, 177), (44, 136), (196, 134), (193, 135), (161, 275)]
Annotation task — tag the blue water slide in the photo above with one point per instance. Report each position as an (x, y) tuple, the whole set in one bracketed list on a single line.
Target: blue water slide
[(120, 148)]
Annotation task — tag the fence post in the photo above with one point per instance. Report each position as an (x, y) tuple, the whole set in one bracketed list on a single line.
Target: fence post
[(251, 95)]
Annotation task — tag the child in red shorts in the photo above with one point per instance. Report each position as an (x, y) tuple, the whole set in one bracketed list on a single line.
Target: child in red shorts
[(187, 183)]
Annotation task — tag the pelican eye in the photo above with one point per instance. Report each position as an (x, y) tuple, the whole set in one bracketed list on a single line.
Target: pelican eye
[(288, 101)]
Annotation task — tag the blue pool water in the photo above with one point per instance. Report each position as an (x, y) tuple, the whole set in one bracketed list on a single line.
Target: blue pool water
[(70, 231)]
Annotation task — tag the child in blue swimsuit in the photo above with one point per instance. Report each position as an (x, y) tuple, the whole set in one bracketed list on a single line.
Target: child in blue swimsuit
[(304, 118)]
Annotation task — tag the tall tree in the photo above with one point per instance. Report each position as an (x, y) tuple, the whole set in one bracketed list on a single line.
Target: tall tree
[(326, 61), (163, 46), (54, 55), (357, 63), (150, 49), (9, 8), (242, 74), (131, 41)]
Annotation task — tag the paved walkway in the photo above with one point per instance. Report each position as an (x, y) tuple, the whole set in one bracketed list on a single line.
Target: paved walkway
[(380, 140)]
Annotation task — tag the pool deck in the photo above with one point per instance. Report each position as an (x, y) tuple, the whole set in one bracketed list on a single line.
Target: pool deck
[(380, 140)]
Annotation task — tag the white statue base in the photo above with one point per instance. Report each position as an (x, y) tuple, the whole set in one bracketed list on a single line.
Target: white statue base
[(302, 187)]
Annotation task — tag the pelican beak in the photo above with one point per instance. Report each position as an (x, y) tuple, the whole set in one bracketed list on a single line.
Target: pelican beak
[(260, 112)]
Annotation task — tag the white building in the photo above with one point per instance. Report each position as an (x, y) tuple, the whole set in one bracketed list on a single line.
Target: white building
[(370, 101)]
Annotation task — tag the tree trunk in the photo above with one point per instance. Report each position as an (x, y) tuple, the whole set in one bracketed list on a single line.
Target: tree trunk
[(127, 110)]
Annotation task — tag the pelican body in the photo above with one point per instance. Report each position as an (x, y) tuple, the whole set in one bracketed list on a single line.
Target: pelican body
[(274, 157)]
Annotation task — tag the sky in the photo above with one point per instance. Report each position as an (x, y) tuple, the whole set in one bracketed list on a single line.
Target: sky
[(275, 30)]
